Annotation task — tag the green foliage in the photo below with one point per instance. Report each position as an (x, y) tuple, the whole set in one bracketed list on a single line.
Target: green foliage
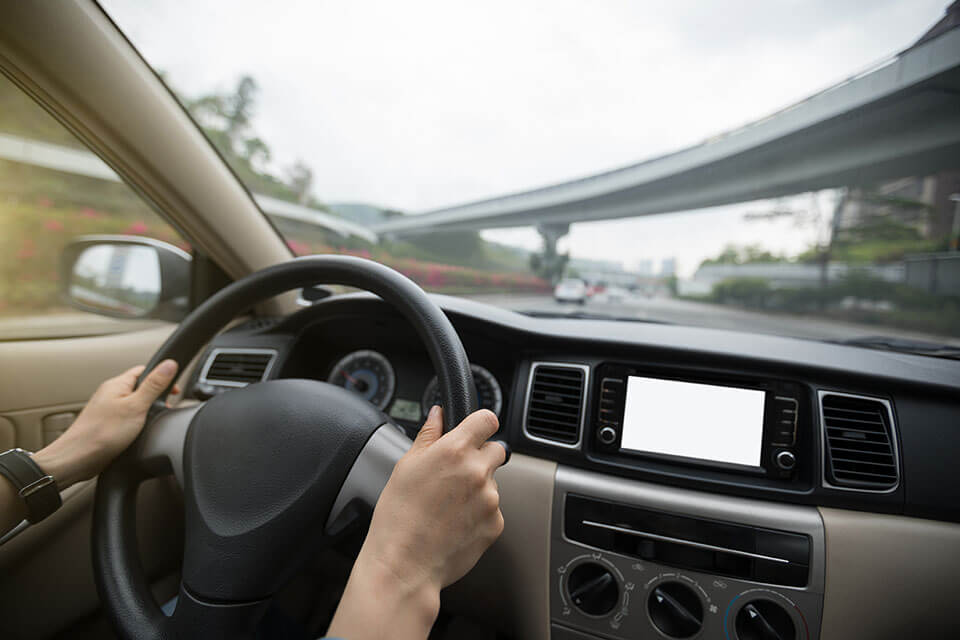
[(748, 292), (19, 115), (880, 240), (34, 231), (226, 120), (858, 297), (733, 254), (672, 284)]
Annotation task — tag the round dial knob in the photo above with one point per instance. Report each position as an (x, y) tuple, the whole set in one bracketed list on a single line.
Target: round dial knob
[(675, 609), (593, 589), (764, 620)]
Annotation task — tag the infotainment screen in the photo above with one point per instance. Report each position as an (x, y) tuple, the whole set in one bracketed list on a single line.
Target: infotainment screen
[(702, 421)]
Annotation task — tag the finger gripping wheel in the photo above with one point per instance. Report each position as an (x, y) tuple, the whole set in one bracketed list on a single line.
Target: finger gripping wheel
[(261, 466)]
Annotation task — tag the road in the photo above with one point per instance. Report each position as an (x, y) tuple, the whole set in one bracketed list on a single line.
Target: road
[(703, 314)]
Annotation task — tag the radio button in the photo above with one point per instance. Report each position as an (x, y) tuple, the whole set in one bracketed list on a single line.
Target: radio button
[(785, 430), (607, 435), (786, 460)]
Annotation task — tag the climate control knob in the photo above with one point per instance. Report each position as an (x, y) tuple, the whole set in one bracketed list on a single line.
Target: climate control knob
[(593, 589), (764, 620), (675, 610)]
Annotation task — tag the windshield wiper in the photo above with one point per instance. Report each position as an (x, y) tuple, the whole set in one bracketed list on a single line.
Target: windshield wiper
[(901, 345), (587, 315)]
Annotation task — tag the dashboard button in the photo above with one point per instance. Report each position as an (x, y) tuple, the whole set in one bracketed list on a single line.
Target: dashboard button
[(786, 460), (607, 434)]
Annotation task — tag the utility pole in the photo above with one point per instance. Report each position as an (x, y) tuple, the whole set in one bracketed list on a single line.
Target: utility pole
[(955, 227)]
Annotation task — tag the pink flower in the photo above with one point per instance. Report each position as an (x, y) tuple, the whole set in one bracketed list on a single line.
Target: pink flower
[(46, 203), (93, 214), (27, 250), (298, 248), (53, 225), (137, 228)]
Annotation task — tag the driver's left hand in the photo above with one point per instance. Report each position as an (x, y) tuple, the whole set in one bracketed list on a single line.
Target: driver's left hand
[(109, 423)]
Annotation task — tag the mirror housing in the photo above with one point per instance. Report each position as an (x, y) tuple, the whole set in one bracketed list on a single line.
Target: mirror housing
[(126, 277)]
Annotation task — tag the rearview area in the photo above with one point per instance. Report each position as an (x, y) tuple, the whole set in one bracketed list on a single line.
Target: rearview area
[(693, 420)]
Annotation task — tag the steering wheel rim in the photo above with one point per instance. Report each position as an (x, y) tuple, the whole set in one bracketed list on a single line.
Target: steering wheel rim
[(120, 581)]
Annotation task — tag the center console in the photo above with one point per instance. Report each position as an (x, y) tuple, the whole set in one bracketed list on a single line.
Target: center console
[(636, 560), (742, 425)]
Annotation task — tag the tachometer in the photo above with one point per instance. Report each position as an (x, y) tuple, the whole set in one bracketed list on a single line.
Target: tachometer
[(489, 395), (366, 373)]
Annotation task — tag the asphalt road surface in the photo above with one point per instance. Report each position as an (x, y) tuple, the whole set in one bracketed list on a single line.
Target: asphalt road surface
[(716, 316)]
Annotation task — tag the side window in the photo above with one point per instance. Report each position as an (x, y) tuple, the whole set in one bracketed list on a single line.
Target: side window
[(53, 191)]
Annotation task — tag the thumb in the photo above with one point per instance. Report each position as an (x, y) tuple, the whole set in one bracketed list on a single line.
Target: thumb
[(432, 429), (156, 382)]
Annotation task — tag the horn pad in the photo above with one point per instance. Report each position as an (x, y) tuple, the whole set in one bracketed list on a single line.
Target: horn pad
[(263, 466)]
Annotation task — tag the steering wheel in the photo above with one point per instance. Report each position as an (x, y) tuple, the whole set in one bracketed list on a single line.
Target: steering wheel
[(265, 470)]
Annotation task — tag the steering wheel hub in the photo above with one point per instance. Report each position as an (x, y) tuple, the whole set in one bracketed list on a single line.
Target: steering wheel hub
[(263, 466)]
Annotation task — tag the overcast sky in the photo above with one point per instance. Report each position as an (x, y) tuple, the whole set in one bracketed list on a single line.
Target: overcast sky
[(420, 104)]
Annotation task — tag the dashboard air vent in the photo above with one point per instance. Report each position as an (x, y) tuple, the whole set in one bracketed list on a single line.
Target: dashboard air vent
[(859, 443), (237, 367), (555, 403)]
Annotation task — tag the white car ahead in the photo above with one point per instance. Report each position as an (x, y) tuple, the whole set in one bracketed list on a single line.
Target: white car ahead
[(571, 290)]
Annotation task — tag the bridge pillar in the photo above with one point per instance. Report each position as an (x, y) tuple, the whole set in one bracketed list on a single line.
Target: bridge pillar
[(550, 264)]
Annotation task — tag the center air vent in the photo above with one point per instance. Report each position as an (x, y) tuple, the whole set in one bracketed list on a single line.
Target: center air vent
[(555, 403), (859, 443), (237, 367)]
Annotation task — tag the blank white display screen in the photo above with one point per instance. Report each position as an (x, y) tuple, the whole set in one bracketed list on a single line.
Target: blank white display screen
[(703, 421)]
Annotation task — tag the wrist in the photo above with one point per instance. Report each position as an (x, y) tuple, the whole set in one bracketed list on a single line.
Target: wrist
[(406, 606), (66, 464)]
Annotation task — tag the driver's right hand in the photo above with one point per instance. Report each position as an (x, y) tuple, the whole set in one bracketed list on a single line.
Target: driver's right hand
[(438, 513)]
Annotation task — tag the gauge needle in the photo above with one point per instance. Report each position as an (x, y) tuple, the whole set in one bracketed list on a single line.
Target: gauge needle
[(350, 377)]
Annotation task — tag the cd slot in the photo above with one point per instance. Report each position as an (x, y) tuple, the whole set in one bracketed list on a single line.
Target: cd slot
[(722, 548)]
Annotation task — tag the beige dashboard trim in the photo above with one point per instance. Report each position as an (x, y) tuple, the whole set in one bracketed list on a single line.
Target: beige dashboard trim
[(889, 577), (510, 585)]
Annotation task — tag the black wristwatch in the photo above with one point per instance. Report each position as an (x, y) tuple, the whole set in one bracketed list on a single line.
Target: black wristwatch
[(38, 490)]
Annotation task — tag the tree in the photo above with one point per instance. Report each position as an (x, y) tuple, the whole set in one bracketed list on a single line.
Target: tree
[(227, 120), (300, 180)]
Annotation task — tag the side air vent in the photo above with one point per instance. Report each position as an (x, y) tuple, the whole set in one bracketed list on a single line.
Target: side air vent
[(860, 445), (237, 367), (555, 403)]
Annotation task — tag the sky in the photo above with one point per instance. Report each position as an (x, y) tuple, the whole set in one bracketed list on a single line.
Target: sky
[(422, 104)]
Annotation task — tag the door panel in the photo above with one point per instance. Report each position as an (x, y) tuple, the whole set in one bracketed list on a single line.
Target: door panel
[(47, 585), (46, 575)]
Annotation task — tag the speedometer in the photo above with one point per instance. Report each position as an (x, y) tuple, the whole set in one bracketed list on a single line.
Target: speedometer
[(366, 373), (489, 395)]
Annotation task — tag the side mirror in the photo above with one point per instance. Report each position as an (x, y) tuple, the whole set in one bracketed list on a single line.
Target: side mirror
[(126, 277)]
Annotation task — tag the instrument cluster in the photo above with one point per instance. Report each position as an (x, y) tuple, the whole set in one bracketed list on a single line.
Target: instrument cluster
[(371, 375)]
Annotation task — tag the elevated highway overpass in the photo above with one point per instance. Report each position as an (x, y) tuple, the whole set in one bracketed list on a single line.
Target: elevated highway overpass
[(900, 118)]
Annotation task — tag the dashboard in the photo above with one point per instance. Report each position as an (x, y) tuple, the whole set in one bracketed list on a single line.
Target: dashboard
[(693, 466)]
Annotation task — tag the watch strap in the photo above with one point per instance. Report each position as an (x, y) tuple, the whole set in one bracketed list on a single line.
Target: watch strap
[(36, 488)]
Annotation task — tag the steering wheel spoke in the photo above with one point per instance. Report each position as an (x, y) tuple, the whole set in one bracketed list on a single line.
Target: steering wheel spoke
[(159, 449), (371, 470)]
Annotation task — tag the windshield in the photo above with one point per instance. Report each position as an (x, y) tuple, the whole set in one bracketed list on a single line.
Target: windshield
[(722, 165)]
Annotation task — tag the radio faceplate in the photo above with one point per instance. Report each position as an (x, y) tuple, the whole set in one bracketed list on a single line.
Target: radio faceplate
[(784, 446), (596, 592)]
